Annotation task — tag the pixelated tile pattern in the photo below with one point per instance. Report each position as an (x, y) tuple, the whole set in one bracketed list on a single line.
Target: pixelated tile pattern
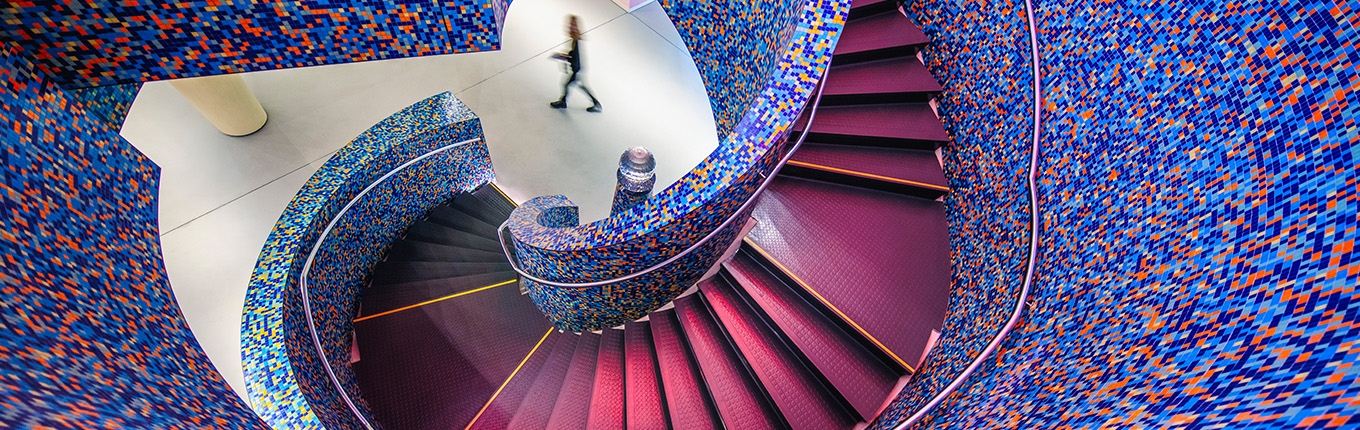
[(93, 337), (1198, 200), (683, 213), (110, 104), (285, 376), (106, 42)]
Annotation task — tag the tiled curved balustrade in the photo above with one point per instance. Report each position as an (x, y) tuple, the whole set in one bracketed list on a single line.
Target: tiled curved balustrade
[(682, 214), (286, 380)]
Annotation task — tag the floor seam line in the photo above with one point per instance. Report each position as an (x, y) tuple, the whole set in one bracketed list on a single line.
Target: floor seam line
[(252, 191)]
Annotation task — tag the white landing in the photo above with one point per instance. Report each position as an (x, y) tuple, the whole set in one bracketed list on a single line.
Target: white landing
[(220, 196)]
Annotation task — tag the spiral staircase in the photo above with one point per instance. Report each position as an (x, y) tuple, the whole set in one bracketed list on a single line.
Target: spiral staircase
[(814, 323)]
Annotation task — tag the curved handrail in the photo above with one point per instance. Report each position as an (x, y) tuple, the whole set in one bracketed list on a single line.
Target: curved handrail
[(816, 101), (1033, 239), (307, 267)]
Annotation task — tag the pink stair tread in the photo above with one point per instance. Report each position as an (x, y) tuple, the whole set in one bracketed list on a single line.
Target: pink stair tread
[(907, 121), (881, 31), (905, 164), (573, 405), (606, 399), (642, 380), (896, 75), (740, 400), (686, 397), (896, 284)]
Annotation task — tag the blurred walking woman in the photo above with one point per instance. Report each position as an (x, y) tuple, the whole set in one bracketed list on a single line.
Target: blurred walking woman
[(573, 58)]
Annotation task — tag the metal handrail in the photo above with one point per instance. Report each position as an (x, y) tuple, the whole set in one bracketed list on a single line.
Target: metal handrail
[(730, 219), (1033, 240), (307, 268)]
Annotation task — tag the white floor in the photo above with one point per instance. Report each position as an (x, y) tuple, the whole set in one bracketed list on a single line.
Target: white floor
[(220, 196)]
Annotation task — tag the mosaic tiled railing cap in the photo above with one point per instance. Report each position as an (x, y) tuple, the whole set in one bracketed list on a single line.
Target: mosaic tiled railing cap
[(271, 381), (770, 116)]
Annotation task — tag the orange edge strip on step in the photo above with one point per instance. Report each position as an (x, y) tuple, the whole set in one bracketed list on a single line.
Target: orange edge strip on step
[(502, 193), (868, 175), (464, 293), (508, 378), (828, 304)]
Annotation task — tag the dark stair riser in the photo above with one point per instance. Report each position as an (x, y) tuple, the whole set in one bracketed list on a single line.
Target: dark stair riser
[(607, 396), (922, 191), (538, 404), (397, 272), (646, 399), (430, 232), (573, 405), (690, 405), (861, 375), (740, 399), (806, 398), (409, 250)]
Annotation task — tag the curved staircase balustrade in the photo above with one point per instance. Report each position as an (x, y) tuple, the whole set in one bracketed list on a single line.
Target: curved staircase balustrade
[(624, 250), (303, 294)]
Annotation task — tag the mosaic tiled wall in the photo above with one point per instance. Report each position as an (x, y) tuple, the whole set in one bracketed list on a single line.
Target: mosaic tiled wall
[(106, 42), (93, 337), (734, 46), (285, 378), (688, 210), (1198, 204), (110, 104)]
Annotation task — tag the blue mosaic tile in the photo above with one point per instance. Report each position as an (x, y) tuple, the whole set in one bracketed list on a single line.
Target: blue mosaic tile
[(93, 335), (1198, 199), (105, 42), (286, 379), (110, 104)]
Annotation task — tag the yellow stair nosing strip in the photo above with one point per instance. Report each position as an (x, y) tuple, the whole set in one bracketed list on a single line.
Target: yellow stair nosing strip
[(508, 378), (450, 296), (828, 304), (868, 175)]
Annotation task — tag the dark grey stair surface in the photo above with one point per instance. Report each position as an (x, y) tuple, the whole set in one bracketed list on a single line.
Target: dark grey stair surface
[(863, 8), (740, 400), (904, 171), (537, 407), (607, 398), (385, 297), (875, 37), (493, 198), (646, 403), (894, 80), (805, 398), (573, 404), (687, 398), (396, 272), (430, 232), (905, 125), (410, 250), (489, 212), (451, 217)]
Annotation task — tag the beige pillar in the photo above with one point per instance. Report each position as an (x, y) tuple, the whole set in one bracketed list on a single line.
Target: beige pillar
[(225, 101)]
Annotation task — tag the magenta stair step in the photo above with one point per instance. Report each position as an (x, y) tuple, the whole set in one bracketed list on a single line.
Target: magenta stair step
[(884, 35), (905, 171), (607, 396), (501, 410), (538, 404), (805, 400), (573, 405), (646, 403), (687, 399), (905, 125), (895, 80), (895, 286), (741, 401), (854, 370)]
